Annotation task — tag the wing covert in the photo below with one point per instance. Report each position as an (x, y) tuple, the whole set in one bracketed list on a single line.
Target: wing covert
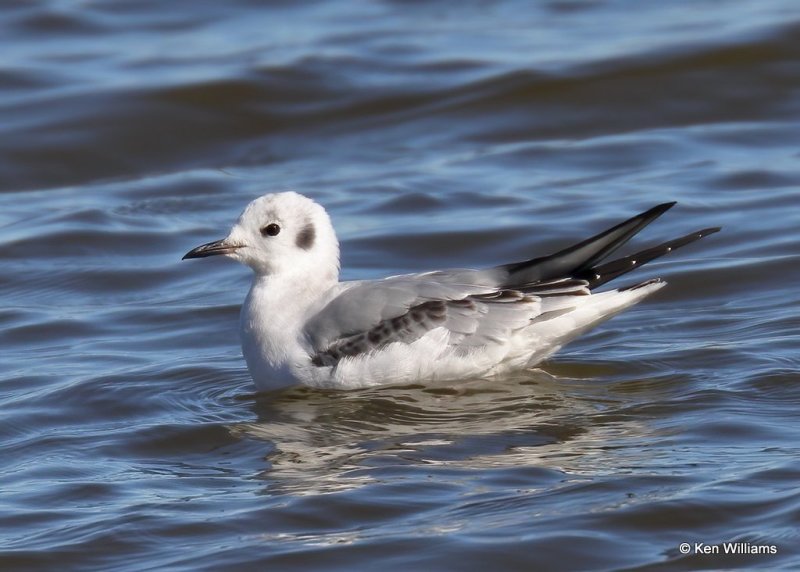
[(403, 309)]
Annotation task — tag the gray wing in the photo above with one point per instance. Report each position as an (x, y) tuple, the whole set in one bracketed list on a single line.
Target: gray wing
[(474, 308), (478, 307)]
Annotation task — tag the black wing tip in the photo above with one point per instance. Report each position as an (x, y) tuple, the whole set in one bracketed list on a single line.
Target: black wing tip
[(599, 275), (658, 210), (707, 231), (582, 257)]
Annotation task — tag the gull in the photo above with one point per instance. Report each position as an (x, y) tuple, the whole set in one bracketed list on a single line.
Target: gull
[(300, 324)]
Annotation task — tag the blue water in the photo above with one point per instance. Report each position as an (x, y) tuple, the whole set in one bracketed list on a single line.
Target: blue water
[(436, 135)]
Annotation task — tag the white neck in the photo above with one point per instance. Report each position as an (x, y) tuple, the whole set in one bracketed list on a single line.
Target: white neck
[(271, 322)]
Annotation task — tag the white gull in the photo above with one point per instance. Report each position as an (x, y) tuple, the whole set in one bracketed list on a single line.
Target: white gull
[(299, 324)]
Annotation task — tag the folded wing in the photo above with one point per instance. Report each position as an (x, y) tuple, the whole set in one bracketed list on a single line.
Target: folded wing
[(367, 316), (476, 307)]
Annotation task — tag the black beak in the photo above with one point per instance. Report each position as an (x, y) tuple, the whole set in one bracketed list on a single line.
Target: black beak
[(211, 249)]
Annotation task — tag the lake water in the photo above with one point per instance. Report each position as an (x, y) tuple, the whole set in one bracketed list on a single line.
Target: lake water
[(437, 135)]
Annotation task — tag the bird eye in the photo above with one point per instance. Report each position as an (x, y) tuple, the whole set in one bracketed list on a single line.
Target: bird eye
[(270, 230)]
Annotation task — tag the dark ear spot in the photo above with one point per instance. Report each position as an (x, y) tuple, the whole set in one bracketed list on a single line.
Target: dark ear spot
[(305, 238)]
